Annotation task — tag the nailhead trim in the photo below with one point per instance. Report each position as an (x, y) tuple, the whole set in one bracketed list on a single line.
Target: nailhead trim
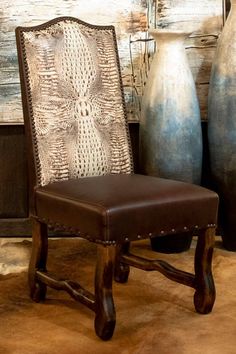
[(113, 242)]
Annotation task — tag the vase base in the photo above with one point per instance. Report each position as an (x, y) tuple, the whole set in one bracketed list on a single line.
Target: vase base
[(229, 242), (172, 244)]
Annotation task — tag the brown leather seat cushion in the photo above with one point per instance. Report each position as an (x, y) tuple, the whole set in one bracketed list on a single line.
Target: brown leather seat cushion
[(116, 207)]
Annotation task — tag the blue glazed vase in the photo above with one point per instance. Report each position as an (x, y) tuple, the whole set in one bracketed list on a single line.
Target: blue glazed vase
[(170, 125), (222, 128)]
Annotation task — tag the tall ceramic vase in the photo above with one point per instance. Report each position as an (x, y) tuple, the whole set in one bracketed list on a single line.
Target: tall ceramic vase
[(222, 127), (170, 126)]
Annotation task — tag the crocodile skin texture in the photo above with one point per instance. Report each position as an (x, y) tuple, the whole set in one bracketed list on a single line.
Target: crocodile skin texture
[(77, 109)]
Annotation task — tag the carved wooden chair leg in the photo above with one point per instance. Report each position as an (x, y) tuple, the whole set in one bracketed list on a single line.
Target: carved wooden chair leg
[(204, 296), (121, 272), (105, 315), (38, 260)]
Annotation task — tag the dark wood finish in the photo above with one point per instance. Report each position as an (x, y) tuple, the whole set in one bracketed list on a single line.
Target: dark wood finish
[(13, 174), (14, 220), (205, 294), (101, 303), (162, 267), (15, 227), (117, 260), (122, 270), (202, 281), (38, 260), (105, 318), (73, 288)]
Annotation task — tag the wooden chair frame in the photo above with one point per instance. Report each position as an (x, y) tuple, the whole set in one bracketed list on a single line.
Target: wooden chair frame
[(114, 261), (113, 258)]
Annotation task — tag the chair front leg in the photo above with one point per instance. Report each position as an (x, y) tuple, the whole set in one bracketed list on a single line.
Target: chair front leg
[(204, 296), (105, 315), (38, 259)]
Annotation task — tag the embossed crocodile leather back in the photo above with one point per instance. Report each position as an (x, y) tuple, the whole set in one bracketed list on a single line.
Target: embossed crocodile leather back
[(76, 101)]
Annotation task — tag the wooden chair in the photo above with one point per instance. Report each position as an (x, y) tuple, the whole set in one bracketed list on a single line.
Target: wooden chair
[(80, 169)]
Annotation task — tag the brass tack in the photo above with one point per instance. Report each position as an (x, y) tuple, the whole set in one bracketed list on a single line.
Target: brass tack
[(196, 226), (162, 232), (185, 228), (126, 239), (173, 230), (150, 234), (139, 236)]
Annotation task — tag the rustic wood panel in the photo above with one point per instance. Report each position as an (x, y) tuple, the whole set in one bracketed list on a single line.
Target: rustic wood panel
[(13, 173), (131, 19), (128, 16), (200, 16), (15, 227)]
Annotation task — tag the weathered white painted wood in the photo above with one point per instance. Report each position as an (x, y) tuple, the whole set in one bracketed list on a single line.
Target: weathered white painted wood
[(128, 17), (131, 19), (201, 15)]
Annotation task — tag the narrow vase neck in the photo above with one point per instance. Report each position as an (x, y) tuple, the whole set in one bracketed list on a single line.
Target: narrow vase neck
[(162, 36)]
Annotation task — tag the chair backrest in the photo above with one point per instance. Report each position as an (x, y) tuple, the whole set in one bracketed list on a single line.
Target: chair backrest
[(73, 101)]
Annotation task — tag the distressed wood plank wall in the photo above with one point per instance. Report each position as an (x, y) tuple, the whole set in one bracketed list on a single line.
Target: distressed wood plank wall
[(131, 19)]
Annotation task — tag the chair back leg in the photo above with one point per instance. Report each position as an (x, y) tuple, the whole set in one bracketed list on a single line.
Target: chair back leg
[(38, 260), (122, 270)]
